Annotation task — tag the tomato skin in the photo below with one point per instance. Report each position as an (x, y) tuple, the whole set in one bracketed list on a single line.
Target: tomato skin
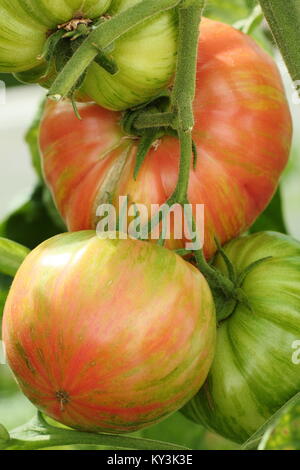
[(24, 26), (146, 55), (122, 328), (253, 373), (243, 135)]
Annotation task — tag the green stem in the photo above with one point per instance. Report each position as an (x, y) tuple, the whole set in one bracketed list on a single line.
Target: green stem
[(190, 13), (182, 97), (182, 119), (180, 195), (105, 34), (147, 121), (12, 255), (183, 93), (38, 434), (283, 17), (215, 279)]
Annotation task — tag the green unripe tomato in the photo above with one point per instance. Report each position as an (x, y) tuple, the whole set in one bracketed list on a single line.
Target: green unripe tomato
[(145, 56), (26, 24), (256, 368)]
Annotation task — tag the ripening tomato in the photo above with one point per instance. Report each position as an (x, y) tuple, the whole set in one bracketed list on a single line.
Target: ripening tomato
[(108, 334), (145, 56), (242, 132), (256, 367)]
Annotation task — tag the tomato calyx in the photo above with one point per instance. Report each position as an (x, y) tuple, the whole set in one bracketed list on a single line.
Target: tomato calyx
[(75, 24), (63, 43), (104, 34), (149, 137), (226, 305)]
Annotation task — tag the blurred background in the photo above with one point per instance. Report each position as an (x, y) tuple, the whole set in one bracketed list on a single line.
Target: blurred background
[(28, 215)]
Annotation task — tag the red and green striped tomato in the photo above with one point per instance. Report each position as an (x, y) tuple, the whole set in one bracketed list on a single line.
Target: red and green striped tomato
[(242, 132), (146, 55), (108, 335), (254, 372)]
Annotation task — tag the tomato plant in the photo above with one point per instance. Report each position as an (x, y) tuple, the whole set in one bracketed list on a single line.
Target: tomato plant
[(112, 335), (242, 133), (253, 373), (34, 32)]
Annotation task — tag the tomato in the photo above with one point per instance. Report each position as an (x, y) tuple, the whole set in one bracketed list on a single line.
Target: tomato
[(256, 367), (25, 25), (146, 55), (108, 335), (242, 132), (146, 58)]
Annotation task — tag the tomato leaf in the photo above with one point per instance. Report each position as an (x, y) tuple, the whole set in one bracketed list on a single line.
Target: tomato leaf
[(272, 217), (35, 221), (5, 283)]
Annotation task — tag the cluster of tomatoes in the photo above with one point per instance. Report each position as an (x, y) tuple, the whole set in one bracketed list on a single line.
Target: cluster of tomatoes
[(115, 334)]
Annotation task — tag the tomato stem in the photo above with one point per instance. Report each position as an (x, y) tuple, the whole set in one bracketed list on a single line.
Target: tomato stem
[(12, 255), (185, 81), (146, 120), (103, 36), (181, 118), (183, 93)]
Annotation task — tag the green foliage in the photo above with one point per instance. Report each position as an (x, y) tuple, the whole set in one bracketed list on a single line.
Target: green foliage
[(32, 223), (261, 436), (272, 218), (285, 435), (229, 11), (5, 283), (9, 79), (284, 21), (182, 431), (4, 436), (31, 139), (176, 429)]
